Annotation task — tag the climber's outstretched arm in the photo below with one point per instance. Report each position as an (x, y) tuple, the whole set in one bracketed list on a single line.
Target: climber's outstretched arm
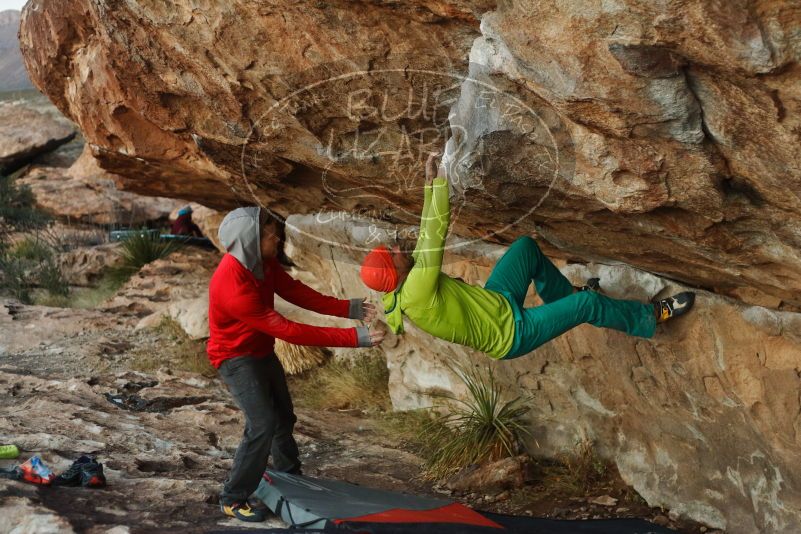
[(422, 281)]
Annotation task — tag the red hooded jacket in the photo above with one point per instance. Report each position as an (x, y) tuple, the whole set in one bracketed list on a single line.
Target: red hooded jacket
[(242, 320)]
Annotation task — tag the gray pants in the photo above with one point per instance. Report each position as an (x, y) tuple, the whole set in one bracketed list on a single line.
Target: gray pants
[(259, 388)]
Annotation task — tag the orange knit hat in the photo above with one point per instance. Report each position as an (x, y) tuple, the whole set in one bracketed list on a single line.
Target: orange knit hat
[(378, 271)]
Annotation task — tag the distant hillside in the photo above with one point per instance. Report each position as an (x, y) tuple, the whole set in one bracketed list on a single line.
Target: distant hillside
[(12, 70)]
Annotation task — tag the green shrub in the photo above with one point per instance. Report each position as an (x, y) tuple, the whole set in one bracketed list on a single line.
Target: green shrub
[(33, 249), (17, 209), (16, 277), (29, 265), (139, 250), (482, 428)]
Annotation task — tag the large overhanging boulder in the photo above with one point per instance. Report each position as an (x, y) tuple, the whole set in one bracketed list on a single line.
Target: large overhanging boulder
[(661, 135)]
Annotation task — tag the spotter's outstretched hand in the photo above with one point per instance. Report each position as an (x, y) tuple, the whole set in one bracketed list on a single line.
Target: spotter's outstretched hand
[(377, 333), (369, 312)]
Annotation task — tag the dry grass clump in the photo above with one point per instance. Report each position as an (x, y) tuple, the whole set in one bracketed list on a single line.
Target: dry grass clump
[(339, 385), (297, 359), (580, 469)]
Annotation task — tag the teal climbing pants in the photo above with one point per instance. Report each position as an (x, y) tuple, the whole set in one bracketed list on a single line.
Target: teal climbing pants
[(562, 309)]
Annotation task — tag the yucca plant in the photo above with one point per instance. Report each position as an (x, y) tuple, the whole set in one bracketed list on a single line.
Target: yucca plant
[(481, 428), (138, 250)]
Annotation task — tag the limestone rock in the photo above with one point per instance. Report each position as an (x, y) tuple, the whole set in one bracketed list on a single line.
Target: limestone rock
[(663, 136), (506, 473), (673, 412), (86, 193), (175, 287), (21, 516), (604, 500), (84, 266), (26, 133)]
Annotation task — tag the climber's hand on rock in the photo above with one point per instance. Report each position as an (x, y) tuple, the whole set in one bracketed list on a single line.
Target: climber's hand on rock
[(432, 163), (377, 333)]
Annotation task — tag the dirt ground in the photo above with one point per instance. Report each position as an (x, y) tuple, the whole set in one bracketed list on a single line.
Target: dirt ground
[(166, 438)]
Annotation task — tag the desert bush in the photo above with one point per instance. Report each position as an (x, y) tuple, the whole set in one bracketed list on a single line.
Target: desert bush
[(17, 211), (137, 251), (481, 428), (28, 265), (297, 359)]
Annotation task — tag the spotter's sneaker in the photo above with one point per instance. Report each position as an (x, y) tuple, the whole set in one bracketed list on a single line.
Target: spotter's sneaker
[(243, 512), (85, 471), (72, 476), (674, 306), (92, 475)]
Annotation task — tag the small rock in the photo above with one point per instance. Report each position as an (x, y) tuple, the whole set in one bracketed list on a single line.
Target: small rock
[(503, 474), (622, 510), (604, 500), (703, 529), (502, 496), (674, 515), (661, 520)]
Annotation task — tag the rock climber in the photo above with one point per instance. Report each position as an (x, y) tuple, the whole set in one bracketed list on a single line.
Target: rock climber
[(243, 325), (184, 225), (493, 319)]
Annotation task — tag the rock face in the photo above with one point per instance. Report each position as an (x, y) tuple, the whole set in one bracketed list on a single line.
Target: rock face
[(657, 141), (175, 287), (12, 70), (86, 193), (674, 126), (26, 133), (702, 419)]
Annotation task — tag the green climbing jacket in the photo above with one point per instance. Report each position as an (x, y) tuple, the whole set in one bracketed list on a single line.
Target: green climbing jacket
[(442, 306)]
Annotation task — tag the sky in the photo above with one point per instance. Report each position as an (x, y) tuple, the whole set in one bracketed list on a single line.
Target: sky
[(12, 4)]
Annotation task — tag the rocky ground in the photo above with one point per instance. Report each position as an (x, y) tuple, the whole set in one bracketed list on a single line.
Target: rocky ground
[(166, 436)]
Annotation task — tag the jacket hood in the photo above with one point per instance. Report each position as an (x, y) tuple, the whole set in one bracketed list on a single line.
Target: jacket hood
[(240, 234), (392, 311)]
